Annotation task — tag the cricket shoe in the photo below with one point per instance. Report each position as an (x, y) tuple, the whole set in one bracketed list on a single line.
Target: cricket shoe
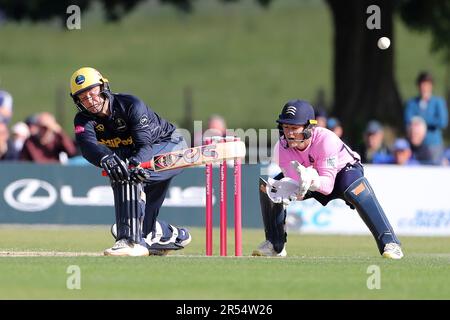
[(179, 239), (393, 251), (183, 238), (266, 249), (123, 247)]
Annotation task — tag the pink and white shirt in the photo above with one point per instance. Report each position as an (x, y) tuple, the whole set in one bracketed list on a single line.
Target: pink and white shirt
[(326, 153)]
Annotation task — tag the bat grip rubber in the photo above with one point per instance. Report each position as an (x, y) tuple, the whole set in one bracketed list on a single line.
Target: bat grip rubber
[(145, 165)]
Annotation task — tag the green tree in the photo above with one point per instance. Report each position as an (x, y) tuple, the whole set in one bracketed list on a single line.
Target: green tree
[(364, 82), (42, 10), (432, 16)]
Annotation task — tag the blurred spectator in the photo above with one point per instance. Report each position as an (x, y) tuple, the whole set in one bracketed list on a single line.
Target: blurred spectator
[(49, 144), (433, 110), (416, 133), (20, 133), (446, 157), (6, 105), (373, 149), (216, 126), (321, 117), (402, 153), (32, 123), (7, 151), (334, 125)]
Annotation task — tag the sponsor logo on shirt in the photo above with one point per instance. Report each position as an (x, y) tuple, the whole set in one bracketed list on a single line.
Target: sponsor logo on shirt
[(121, 125), (116, 142)]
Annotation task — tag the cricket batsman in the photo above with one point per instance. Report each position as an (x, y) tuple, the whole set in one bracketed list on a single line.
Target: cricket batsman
[(117, 132), (321, 166)]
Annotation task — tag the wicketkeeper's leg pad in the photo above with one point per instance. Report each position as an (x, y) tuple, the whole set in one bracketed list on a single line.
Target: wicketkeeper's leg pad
[(274, 218), (361, 195)]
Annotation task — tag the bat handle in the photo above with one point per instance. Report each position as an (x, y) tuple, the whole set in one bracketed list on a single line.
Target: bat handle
[(145, 165)]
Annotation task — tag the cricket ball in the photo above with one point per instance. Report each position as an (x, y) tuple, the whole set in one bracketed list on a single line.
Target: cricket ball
[(384, 43)]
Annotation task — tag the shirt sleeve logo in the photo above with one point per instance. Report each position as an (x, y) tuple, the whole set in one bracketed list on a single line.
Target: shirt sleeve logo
[(143, 121), (332, 162), (79, 129)]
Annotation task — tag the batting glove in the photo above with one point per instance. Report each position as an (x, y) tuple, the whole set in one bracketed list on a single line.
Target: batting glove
[(137, 173), (115, 167)]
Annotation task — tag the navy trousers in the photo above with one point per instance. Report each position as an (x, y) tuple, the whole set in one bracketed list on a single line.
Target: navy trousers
[(156, 186)]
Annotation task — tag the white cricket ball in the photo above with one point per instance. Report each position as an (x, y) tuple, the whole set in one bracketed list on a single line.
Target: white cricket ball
[(384, 43)]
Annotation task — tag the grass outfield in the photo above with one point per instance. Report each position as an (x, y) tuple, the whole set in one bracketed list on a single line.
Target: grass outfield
[(318, 267)]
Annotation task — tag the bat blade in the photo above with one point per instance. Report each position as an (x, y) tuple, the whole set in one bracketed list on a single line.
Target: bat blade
[(196, 156)]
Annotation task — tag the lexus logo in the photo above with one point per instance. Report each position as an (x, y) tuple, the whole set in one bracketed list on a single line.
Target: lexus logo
[(30, 195)]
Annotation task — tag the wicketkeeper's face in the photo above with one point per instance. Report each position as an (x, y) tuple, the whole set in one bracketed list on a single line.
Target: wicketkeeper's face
[(294, 136)]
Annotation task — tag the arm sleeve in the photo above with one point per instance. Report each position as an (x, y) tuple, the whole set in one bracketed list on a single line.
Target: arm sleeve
[(145, 127), (276, 154), (327, 164), (85, 136), (439, 119)]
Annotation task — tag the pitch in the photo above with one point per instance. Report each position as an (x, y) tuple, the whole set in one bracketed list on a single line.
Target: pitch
[(40, 263)]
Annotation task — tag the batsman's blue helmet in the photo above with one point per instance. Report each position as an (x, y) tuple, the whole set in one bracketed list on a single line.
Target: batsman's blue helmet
[(297, 112)]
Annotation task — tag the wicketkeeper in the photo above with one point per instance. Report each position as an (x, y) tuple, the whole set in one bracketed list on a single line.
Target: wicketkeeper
[(117, 132), (315, 163)]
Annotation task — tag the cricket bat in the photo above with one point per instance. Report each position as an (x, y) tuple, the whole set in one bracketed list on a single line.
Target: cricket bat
[(195, 156)]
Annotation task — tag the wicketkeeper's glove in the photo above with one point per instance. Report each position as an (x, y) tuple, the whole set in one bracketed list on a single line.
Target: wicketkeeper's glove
[(309, 178)]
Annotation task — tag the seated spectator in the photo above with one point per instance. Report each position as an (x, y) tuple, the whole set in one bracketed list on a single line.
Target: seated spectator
[(32, 123), (20, 133), (334, 125), (6, 107), (402, 153), (374, 150), (433, 110), (321, 117), (446, 157), (50, 144), (416, 133), (7, 151), (216, 127)]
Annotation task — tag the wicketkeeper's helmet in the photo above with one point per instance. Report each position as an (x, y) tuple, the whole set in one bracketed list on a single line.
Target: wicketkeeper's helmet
[(84, 79), (299, 113)]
